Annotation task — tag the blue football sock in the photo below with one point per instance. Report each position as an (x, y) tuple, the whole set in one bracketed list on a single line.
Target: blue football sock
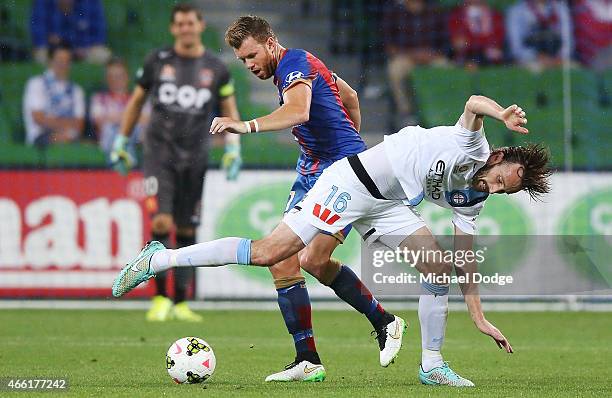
[(349, 288), (294, 304)]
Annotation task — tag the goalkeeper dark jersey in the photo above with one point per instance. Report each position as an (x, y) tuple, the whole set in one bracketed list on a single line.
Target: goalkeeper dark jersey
[(185, 94)]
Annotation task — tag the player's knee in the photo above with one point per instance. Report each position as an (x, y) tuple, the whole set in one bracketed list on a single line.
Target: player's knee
[(314, 263), (285, 269), (437, 268), (161, 224), (266, 253)]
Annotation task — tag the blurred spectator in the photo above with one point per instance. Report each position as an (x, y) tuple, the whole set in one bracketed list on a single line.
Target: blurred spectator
[(476, 34), (78, 23), (539, 32), (53, 106), (12, 44), (342, 40), (371, 47), (107, 107), (414, 31), (593, 27)]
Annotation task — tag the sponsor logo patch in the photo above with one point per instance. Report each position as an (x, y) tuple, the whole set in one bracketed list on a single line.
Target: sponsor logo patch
[(461, 168), (293, 76), (435, 176), (458, 198), (167, 73), (206, 77)]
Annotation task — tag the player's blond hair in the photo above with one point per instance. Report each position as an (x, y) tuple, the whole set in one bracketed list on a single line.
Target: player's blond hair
[(248, 26)]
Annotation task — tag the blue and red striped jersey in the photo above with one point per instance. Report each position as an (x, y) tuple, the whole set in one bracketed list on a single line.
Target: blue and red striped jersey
[(329, 134)]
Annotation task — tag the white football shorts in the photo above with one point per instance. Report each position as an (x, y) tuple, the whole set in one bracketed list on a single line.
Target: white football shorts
[(338, 199)]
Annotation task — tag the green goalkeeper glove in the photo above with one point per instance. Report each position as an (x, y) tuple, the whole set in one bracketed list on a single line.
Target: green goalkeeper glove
[(231, 161), (120, 158)]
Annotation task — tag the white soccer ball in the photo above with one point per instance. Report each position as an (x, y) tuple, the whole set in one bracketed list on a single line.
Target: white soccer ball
[(190, 360)]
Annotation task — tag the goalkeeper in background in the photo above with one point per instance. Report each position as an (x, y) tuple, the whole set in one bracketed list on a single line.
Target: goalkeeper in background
[(187, 86)]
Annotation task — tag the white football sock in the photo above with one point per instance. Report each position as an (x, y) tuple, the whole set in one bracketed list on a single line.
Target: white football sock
[(431, 359), (433, 313), (207, 254)]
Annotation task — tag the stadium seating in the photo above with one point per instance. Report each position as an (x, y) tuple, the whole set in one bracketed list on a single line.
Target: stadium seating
[(13, 152), (137, 26), (140, 21), (145, 23), (441, 93), (499, 4)]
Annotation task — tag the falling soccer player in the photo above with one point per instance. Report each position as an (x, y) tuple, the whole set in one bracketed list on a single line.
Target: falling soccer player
[(370, 191)]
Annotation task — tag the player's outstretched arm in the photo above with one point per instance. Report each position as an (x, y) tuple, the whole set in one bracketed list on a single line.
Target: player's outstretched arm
[(479, 106), (295, 110), (350, 100), (465, 242)]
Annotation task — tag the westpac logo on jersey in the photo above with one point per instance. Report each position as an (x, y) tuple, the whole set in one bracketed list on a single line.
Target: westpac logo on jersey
[(185, 96)]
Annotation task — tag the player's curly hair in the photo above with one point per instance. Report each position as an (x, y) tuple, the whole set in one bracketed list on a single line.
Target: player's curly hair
[(536, 172), (245, 26)]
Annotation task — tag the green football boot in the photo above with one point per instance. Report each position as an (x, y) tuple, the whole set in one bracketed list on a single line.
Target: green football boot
[(443, 376), (137, 270)]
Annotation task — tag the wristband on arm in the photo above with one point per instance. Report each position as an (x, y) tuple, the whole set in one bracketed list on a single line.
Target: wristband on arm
[(252, 126)]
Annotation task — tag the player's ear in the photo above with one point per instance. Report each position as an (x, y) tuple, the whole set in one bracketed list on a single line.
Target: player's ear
[(495, 157)]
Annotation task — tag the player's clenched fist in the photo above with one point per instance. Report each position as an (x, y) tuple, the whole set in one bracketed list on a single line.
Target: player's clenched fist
[(229, 125)]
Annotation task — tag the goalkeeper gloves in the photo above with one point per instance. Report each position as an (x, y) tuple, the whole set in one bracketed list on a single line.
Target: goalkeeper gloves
[(231, 161), (121, 160)]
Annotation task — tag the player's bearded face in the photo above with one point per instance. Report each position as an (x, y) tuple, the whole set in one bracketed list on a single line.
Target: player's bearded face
[(257, 57), (502, 177)]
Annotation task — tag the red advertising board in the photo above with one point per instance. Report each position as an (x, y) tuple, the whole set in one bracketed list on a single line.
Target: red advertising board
[(67, 233)]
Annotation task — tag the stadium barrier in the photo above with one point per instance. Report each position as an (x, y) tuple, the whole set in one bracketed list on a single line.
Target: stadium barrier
[(66, 234)]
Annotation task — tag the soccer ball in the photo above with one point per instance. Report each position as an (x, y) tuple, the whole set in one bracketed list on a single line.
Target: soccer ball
[(190, 360)]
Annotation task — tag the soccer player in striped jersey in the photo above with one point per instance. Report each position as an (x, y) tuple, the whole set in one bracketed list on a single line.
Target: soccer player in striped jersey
[(323, 112)]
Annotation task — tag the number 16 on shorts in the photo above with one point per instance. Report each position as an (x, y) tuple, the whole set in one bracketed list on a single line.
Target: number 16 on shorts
[(337, 201)]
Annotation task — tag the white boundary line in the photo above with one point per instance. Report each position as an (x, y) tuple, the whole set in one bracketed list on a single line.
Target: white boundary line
[(269, 305)]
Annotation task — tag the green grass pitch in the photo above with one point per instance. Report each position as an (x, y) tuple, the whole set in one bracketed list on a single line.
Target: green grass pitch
[(118, 354)]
